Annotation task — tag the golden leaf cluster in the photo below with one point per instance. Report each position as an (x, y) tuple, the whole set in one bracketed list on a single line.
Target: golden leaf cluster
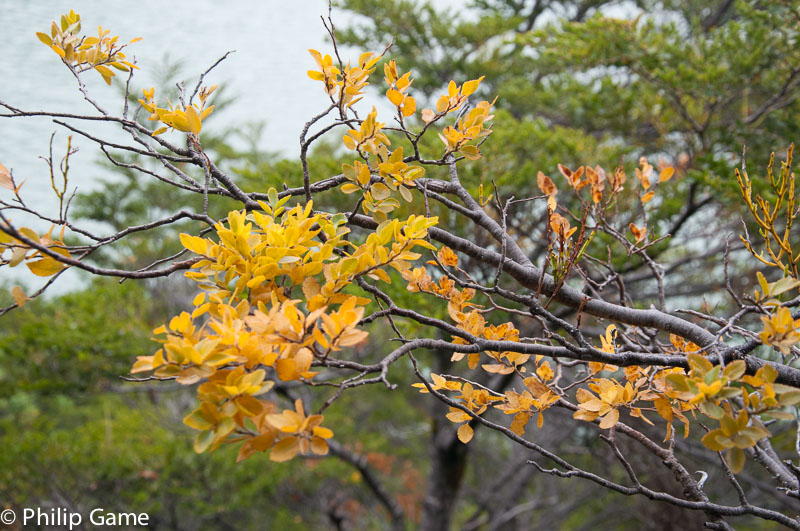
[(456, 97), (705, 387), (468, 129), (248, 329), (86, 53), (346, 85), (14, 251), (188, 119), (780, 330), (398, 86), (394, 175)]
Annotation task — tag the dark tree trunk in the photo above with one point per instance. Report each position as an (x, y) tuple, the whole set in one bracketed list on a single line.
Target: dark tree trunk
[(448, 464)]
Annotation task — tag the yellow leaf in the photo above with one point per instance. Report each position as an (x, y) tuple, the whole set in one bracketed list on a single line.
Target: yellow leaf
[(105, 72), (324, 433), (178, 121), (395, 97), (194, 244), (735, 458), (196, 420), (497, 368), (287, 369), (193, 120), (406, 193), (582, 414), (319, 446), (610, 419), (208, 110), (44, 38), (470, 152), (457, 416), (465, 433), (666, 174), (647, 197), (471, 86), (203, 440), (409, 106), (19, 296), (519, 422), (664, 408), (45, 267), (452, 89), (380, 191), (545, 372), (285, 449)]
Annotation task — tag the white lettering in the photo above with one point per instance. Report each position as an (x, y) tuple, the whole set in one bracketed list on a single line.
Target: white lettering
[(100, 518), (55, 517), (74, 520)]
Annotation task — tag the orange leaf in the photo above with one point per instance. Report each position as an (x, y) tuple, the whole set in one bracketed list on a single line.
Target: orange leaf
[(287, 369), (639, 234), (260, 443), (545, 184), (447, 257), (566, 172)]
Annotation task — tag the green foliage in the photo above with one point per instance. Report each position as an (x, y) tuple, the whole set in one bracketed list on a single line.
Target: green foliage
[(105, 443), (77, 343), (682, 79), (107, 452)]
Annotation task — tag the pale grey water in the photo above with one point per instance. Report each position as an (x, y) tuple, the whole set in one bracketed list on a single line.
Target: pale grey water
[(266, 74)]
